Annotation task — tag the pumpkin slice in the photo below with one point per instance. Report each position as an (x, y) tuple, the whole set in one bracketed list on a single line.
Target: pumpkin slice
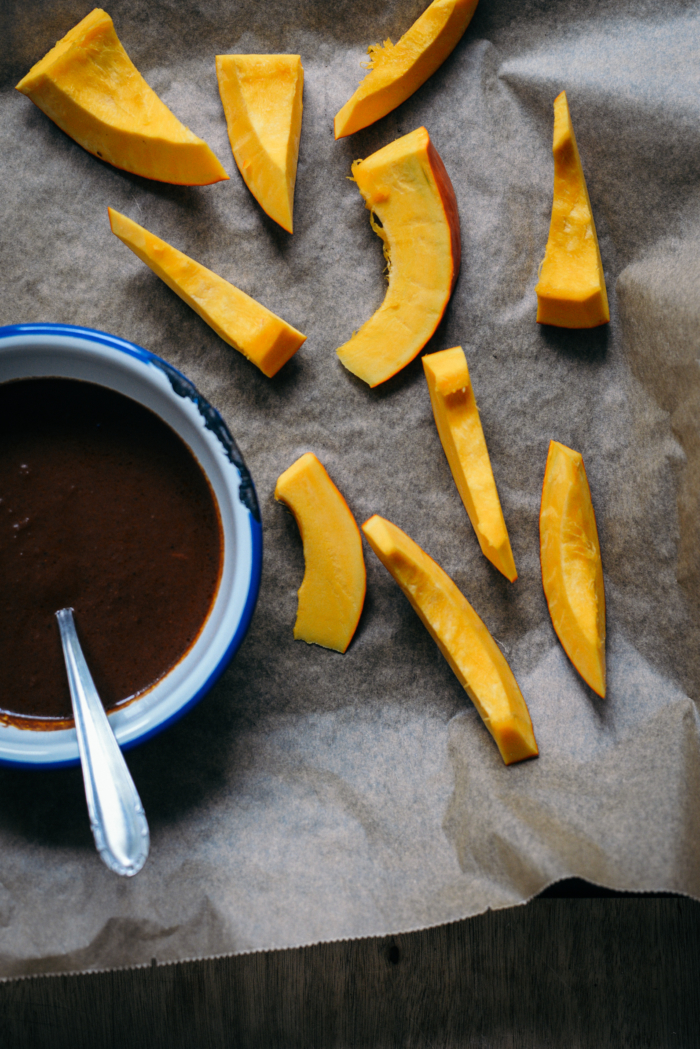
[(406, 187), (243, 323), (332, 593), (88, 85), (572, 573), (461, 636), (397, 70), (571, 289), (261, 96), (459, 426)]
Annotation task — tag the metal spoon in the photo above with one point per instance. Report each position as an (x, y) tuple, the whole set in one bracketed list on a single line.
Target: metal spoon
[(117, 818)]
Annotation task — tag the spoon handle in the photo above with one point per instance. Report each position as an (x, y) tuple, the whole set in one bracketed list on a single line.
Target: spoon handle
[(117, 818)]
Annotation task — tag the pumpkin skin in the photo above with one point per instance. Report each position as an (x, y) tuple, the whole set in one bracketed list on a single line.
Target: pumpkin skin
[(572, 571), (332, 593), (405, 185), (397, 70), (571, 290), (462, 436), (461, 636), (262, 100), (243, 323), (88, 85)]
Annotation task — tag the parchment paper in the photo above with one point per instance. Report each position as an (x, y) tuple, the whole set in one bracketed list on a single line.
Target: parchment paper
[(313, 796)]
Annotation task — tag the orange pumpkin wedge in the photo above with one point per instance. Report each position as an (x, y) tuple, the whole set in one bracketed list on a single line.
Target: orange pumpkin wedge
[(572, 573), (88, 85), (243, 323), (397, 70), (461, 636), (332, 593), (406, 187), (262, 100), (459, 427), (571, 289)]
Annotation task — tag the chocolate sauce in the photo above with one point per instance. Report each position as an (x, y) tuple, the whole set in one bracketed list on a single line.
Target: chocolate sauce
[(102, 508)]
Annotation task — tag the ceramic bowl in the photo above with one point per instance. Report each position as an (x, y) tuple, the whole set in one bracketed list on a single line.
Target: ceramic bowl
[(63, 351)]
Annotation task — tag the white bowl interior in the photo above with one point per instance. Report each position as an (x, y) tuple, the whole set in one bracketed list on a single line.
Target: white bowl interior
[(138, 375)]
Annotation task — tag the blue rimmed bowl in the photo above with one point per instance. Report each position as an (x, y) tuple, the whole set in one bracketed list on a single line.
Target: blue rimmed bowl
[(64, 351)]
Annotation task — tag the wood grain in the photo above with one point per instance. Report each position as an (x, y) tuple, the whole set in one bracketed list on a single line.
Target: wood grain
[(556, 973)]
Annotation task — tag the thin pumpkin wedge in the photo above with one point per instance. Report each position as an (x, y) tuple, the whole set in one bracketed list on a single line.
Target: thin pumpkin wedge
[(462, 437), (572, 571), (461, 636), (397, 70), (571, 290), (256, 332)]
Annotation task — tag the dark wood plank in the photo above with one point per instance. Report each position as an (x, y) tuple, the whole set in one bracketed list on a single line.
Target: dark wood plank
[(558, 973)]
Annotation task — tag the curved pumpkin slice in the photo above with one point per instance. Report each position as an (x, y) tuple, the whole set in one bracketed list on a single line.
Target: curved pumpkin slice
[(571, 289), (461, 636), (572, 574), (332, 593), (243, 323), (397, 70), (406, 187), (459, 426), (262, 100), (88, 85)]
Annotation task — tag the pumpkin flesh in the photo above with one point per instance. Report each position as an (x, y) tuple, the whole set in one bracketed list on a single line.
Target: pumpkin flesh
[(572, 571), (90, 88), (462, 437), (461, 636), (243, 323), (571, 289), (397, 70), (405, 185), (332, 593), (262, 100)]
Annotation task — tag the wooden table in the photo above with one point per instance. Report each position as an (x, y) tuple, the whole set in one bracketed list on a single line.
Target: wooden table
[(559, 972)]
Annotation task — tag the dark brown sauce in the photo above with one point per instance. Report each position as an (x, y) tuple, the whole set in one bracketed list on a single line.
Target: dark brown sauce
[(103, 508)]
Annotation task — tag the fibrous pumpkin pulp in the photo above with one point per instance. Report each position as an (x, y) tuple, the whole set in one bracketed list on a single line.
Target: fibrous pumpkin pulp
[(461, 636), (414, 210), (572, 572), (571, 289), (332, 593), (397, 70), (88, 85), (262, 100), (243, 323), (462, 436)]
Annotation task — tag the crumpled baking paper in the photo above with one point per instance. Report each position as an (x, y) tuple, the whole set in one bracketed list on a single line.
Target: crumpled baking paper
[(315, 796)]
